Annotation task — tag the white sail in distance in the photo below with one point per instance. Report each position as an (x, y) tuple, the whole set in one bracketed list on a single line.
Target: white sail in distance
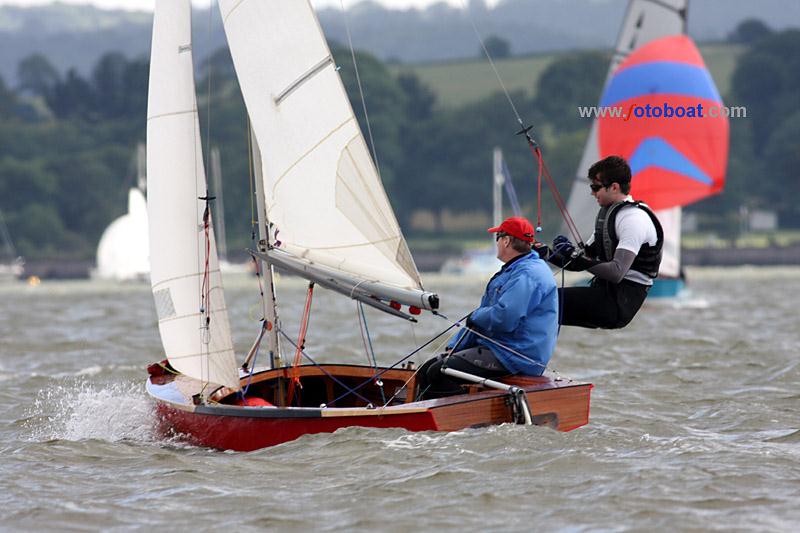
[(194, 330), (645, 21), (324, 198)]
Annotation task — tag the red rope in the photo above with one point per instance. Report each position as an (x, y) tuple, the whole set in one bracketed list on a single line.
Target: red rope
[(543, 171), (301, 342), (205, 287)]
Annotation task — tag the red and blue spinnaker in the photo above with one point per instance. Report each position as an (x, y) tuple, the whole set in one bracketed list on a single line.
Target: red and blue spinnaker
[(675, 160)]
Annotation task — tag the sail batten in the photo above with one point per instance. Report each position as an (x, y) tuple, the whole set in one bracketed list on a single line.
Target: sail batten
[(314, 70), (326, 201), (185, 278)]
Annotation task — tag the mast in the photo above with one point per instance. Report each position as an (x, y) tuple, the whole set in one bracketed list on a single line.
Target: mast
[(269, 310), (5, 238), (141, 167), (216, 184), (497, 188)]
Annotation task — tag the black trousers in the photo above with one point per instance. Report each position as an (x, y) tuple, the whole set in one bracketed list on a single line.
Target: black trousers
[(603, 305), (479, 361)]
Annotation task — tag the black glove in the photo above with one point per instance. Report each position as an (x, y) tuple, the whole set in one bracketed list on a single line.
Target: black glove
[(578, 263), (542, 249), (563, 246), (469, 323)]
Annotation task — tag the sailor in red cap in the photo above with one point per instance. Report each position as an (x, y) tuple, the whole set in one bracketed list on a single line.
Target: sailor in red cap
[(515, 328)]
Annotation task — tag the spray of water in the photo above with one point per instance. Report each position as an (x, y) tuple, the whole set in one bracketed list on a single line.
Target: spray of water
[(79, 410)]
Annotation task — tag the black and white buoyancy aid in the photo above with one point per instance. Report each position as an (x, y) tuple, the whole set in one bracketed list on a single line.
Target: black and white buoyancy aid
[(606, 240)]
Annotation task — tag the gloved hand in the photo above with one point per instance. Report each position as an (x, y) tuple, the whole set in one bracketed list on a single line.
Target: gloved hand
[(562, 245), (469, 323), (541, 249)]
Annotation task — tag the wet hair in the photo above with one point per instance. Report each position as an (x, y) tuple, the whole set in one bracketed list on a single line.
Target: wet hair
[(612, 169), (519, 245)]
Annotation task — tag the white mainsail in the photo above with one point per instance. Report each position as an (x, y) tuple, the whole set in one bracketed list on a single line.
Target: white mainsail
[(194, 330), (323, 193), (644, 21)]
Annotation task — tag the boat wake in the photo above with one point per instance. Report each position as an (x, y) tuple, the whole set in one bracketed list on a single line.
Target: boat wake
[(79, 411)]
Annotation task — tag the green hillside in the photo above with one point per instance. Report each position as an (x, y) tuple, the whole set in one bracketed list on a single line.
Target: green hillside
[(462, 82)]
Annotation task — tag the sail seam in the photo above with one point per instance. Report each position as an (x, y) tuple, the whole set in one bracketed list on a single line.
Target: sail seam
[(378, 223), (313, 71), (345, 246), (190, 111), (366, 214), (187, 276), (234, 8), (185, 356), (176, 317), (299, 159)]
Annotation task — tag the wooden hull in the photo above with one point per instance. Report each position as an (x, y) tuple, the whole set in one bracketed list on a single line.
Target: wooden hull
[(562, 405)]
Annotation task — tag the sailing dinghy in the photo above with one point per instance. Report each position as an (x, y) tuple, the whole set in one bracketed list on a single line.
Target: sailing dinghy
[(323, 215)]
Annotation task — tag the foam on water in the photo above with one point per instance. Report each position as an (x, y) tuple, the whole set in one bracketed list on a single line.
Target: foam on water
[(80, 410)]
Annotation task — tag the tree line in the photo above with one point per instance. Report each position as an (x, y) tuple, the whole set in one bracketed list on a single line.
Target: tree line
[(67, 141)]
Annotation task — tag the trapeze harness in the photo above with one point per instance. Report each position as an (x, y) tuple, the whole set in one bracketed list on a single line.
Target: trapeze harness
[(606, 239)]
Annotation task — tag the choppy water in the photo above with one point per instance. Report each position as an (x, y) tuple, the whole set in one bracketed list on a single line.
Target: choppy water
[(695, 424)]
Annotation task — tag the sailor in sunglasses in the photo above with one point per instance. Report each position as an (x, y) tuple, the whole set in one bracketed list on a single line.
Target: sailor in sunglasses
[(624, 253)]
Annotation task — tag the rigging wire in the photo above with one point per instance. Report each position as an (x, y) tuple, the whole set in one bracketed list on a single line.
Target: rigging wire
[(542, 168), (491, 62), (348, 389), (360, 89), (365, 336), (367, 339), (497, 343), (354, 390)]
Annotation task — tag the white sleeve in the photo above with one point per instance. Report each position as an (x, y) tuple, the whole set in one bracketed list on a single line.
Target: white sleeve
[(634, 228)]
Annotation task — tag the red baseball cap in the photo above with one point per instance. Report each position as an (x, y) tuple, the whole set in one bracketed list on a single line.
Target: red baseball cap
[(518, 227)]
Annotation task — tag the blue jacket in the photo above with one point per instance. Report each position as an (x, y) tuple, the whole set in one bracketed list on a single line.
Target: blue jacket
[(519, 310)]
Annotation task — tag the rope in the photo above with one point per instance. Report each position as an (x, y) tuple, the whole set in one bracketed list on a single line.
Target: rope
[(562, 206), (349, 390), (362, 320), (542, 168), (379, 374), (360, 89), (497, 343), (405, 385), (205, 286), (301, 342), (491, 62)]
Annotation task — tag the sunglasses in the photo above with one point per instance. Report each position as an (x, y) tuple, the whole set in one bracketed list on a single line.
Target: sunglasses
[(597, 186), (499, 235)]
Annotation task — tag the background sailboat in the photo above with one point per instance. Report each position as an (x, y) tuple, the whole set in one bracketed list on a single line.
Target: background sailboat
[(323, 215), (483, 261), (123, 250), (674, 162), (218, 192), (12, 266)]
